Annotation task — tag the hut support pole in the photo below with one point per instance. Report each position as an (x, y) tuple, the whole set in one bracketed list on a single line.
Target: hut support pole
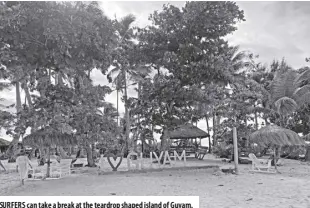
[(235, 149), (275, 160)]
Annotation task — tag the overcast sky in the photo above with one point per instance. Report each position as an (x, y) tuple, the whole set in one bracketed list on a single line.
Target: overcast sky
[(272, 30)]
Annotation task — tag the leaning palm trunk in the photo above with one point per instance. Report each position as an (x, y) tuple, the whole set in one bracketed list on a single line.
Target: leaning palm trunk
[(13, 145), (28, 97)]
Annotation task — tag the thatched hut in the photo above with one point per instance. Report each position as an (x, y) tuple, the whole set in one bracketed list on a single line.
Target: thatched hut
[(46, 138), (184, 137), (4, 145), (187, 131), (49, 138), (276, 136)]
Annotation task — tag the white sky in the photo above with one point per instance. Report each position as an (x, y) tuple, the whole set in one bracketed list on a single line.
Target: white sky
[(272, 29)]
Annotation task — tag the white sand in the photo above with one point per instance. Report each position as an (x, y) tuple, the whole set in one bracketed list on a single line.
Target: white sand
[(289, 189)]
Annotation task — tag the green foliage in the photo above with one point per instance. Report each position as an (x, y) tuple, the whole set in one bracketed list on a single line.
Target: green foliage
[(189, 42), (55, 35), (60, 40)]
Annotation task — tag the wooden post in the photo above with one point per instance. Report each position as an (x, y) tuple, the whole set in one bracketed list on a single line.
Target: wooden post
[(235, 149), (275, 159)]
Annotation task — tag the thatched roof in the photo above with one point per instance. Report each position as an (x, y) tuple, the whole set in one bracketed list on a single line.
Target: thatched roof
[(273, 135), (44, 138), (4, 143), (187, 131)]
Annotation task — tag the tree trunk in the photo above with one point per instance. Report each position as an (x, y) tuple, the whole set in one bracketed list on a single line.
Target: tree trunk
[(126, 114), (164, 140), (307, 156), (49, 76), (208, 129), (90, 159), (28, 96), (138, 125), (117, 106), (256, 122), (60, 80), (48, 163), (56, 79), (275, 159), (235, 142), (13, 145), (214, 130)]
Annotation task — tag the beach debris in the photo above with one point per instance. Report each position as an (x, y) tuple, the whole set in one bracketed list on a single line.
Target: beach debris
[(249, 199), (221, 185), (113, 194)]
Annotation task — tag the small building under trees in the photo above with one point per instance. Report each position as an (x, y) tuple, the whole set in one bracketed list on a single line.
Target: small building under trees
[(187, 137)]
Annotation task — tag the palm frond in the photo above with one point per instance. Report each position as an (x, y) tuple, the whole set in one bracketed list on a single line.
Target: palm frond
[(300, 92), (304, 99), (302, 77), (125, 23), (239, 56), (285, 105), (283, 85), (113, 74)]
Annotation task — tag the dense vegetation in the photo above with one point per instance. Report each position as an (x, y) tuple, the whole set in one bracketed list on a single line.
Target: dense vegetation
[(181, 65)]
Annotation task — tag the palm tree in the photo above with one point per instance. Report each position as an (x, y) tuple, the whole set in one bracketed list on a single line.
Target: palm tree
[(290, 90), (126, 69), (124, 38)]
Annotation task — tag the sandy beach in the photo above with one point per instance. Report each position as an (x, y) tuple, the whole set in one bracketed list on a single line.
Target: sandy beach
[(291, 188)]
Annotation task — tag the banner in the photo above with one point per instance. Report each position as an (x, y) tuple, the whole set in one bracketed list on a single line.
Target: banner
[(99, 202)]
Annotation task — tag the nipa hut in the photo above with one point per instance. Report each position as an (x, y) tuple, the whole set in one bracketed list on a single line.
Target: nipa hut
[(187, 131), (185, 137)]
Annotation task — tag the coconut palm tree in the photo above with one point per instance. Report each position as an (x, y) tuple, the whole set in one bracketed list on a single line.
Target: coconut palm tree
[(289, 91), (125, 34), (125, 67)]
